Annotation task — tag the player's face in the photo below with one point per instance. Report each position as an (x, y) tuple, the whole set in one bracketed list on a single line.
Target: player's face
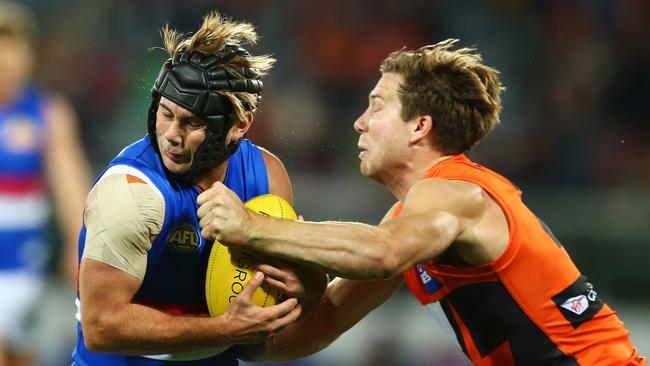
[(179, 134), (383, 133), (15, 63)]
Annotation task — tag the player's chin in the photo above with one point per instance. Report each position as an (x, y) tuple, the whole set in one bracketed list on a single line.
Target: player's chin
[(176, 168), (364, 169)]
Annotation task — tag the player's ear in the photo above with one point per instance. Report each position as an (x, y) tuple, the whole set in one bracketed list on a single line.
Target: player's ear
[(240, 127), (422, 126)]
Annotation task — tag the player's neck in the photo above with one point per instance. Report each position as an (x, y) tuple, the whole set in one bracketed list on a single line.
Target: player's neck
[(414, 169), (217, 174), (431, 163)]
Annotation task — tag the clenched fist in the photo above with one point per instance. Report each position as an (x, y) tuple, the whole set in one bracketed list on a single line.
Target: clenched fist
[(223, 217)]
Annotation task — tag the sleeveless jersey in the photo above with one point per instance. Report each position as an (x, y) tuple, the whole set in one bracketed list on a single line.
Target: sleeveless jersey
[(174, 280), (24, 208), (530, 306)]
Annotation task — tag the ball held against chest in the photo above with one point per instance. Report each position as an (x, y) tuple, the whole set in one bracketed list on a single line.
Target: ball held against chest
[(229, 270)]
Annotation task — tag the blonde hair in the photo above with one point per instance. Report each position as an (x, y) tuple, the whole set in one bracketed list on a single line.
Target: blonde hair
[(214, 34), (16, 21), (461, 95)]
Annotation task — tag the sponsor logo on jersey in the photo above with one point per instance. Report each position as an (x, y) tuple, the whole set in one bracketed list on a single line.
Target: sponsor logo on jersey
[(431, 285), (576, 304), (579, 302), (184, 238)]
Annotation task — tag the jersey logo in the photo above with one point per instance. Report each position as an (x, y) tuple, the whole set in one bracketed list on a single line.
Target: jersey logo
[(184, 238), (576, 304), (19, 134), (579, 302), (430, 284)]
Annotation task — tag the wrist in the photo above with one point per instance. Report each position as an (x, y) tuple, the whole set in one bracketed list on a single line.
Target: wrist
[(250, 234), (223, 334)]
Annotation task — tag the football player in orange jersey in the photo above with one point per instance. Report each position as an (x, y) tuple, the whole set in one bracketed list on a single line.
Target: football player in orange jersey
[(460, 237)]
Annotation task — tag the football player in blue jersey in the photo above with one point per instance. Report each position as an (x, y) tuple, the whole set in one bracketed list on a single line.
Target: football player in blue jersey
[(41, 163), (141, 296)]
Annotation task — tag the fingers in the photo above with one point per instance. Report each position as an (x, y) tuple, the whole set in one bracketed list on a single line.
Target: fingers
[(283, 308), (270, 270), (203, 211), (287, 319), (281, 278), (217, 196), (301, 218), (207, 195), (208, 235), (216, 189), (278, 284), (253, 284)]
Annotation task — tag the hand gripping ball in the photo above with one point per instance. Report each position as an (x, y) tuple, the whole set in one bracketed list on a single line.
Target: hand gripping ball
[(229, 270)]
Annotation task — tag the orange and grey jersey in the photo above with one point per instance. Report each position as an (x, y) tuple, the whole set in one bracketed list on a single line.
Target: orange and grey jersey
[(530, 306)]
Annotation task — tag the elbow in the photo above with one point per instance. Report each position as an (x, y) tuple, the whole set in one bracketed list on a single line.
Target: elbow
[(387, 263), (93, 345), (96, 336), (388, 266)]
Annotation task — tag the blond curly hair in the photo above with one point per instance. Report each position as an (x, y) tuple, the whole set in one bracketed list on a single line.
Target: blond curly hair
[(215, 33)]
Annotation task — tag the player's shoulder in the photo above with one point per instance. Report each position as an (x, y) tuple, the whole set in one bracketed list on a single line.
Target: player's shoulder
[(391, 212), (274, 165), (125, 195), (272, 162), (444, 194), (269, 157), (279, 182), (119, 178)]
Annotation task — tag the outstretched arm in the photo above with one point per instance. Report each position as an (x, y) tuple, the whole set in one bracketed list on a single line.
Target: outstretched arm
[(436, 212)]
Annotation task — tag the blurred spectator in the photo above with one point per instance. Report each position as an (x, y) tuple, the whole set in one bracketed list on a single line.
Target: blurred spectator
[(40, 155)]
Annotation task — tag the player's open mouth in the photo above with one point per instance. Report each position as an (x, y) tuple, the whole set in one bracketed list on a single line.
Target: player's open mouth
[(362, 152)]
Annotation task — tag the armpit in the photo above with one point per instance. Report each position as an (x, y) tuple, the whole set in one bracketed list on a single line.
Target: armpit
[(123, 213)]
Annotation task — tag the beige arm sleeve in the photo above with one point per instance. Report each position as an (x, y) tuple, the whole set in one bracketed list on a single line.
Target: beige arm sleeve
[(123, 214)]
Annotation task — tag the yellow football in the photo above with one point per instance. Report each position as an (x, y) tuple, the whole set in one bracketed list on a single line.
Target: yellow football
[(229, 270)]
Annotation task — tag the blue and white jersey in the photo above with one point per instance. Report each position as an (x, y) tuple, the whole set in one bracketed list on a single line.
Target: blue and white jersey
[(24, 208), (174, 280)]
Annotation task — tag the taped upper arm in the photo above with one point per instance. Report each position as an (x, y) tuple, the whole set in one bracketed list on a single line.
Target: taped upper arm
[(123, 213)]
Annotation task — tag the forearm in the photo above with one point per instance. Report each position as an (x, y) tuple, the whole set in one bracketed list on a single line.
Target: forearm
[(342, 306), (349, 250), (303, 338), (137, 329)]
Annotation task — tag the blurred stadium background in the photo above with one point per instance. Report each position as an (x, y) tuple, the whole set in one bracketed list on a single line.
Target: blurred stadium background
[(575, 132)]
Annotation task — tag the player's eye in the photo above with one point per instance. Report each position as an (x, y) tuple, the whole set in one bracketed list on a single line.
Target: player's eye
[(196, 124)]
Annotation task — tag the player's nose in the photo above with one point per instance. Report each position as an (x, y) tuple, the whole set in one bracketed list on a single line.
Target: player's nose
[(361, 123), (174, 132)]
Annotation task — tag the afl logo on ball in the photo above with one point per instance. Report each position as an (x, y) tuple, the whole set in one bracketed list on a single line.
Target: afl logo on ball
[(184, 238)]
